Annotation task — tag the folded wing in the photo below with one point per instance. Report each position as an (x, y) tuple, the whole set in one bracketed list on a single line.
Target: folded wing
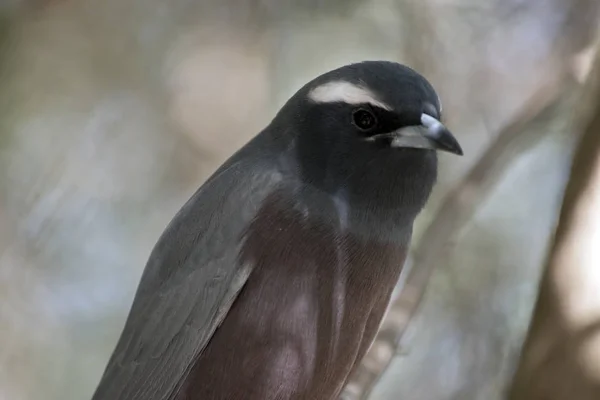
[(189, 283)]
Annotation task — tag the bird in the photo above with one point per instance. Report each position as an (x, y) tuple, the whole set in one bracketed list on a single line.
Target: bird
[(271, 281)]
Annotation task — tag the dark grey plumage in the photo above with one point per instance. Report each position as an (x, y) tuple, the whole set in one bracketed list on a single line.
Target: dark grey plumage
[(271, 281)]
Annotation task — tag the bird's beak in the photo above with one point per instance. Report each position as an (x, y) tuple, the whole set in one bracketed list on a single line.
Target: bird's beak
[(431, 134)]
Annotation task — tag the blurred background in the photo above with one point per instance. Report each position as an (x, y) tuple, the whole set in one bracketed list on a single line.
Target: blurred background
[(113, 112)]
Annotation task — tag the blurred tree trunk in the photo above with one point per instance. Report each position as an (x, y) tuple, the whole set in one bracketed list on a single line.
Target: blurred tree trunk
[(561, 356)]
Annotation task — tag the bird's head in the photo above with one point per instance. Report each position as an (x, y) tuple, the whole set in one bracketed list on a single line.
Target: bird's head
[(371, 129), (382, 104)]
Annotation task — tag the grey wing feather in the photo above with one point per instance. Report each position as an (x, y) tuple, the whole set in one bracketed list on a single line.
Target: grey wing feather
[(189, 283)]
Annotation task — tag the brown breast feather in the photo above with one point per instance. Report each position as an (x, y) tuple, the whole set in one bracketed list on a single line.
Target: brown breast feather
[(307, 314)]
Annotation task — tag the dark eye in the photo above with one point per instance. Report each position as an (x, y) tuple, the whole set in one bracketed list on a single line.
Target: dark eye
[(364, 119)]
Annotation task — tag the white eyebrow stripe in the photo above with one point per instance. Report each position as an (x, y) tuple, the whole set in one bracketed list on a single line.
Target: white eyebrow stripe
[(346, 92)]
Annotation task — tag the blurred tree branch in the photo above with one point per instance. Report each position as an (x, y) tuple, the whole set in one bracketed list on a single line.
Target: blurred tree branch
[(559, 359)]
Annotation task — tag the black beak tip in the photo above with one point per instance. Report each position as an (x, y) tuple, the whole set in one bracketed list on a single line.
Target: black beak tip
[(448, 143), (458, 150)]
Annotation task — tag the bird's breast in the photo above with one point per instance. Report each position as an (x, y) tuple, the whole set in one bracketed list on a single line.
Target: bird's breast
[(307, 314)]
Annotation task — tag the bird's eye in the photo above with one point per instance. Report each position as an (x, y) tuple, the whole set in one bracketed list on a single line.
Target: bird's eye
[(364, 119)]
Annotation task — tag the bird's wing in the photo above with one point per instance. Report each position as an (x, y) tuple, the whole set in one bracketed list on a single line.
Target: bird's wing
[(190, 281)]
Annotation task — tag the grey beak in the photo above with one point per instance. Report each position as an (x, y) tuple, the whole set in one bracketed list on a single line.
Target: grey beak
[(430, 134), (439, 136)]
